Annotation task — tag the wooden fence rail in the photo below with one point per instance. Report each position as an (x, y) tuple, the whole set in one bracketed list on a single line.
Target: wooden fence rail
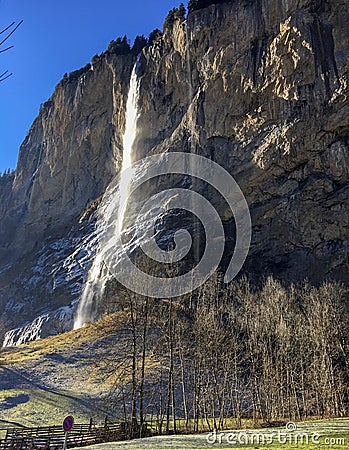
[(52, 438)]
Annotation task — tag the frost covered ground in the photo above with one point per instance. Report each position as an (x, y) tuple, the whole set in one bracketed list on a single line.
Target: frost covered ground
[(315, 435)]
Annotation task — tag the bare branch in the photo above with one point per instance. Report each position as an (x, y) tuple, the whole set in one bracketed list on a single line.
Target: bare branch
[(6, 74), (11, 33), (7, 28), (5, 49)]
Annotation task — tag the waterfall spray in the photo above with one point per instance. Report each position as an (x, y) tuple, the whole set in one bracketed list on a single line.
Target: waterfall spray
[(99, 275), (128, 143)]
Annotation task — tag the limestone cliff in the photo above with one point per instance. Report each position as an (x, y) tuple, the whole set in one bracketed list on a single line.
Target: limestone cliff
[(69, 156), (260, 86)]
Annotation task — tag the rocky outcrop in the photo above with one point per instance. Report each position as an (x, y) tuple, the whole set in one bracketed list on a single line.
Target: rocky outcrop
[(260, 86), (69, 155), (72, 151)]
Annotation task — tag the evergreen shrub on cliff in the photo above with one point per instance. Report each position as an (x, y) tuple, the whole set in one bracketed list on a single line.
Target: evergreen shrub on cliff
[(173, 15), (193, 5), (138, 45), (119, 47), (154, 36)]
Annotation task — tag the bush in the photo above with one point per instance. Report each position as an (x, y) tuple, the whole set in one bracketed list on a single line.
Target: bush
[(180, 12), (173, 15), (79, 72), (194, 5), (95, 59), (119, 47), (139, 44), (46, 105), (154, 36), (68, 77)]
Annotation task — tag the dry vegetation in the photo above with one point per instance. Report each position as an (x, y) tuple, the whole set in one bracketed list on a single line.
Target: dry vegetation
[(269, 354), (221, 357), (43, 381)]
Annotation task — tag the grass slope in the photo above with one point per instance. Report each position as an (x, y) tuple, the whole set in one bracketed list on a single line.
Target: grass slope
[(41, 382)]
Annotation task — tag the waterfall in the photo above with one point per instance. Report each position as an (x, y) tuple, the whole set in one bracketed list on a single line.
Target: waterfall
[(98, 275), (128, 142)]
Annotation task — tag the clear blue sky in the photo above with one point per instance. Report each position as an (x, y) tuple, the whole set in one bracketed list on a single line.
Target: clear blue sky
[(59, 36)]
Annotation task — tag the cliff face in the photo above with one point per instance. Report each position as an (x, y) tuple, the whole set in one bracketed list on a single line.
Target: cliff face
[(69, 156), (259, 86)]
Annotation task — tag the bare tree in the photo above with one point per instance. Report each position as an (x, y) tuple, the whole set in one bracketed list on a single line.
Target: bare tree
[(7, 33), (271, 353)]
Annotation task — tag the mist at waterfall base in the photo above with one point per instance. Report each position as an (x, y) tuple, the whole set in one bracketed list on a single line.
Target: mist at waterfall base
[(111, 216)]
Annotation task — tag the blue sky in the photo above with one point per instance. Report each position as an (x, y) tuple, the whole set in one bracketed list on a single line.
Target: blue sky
[(58, 37)]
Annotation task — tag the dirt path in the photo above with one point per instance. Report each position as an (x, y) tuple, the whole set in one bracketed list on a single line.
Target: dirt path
[(22, 397), (16, 379), (10, 424)]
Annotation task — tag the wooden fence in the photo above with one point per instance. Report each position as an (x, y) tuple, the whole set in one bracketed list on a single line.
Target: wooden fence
[(47, 438)]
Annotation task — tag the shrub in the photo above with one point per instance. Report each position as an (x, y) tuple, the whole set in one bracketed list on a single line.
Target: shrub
[(139, 43), (154, 36), (173, 15), (120, 46), (95, 59), (180, 12), (79, 72), (194, 5), (67, 77)]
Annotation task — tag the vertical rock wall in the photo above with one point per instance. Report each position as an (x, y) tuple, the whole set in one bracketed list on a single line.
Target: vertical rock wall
[(259, 86)]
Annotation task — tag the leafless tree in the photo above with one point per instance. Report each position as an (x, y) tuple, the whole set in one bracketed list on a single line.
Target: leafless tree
[(6, 33), (270, 353)]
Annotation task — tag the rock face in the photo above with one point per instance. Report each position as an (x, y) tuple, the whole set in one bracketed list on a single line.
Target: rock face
[(260, 86), (268, 83), (71, 153)]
